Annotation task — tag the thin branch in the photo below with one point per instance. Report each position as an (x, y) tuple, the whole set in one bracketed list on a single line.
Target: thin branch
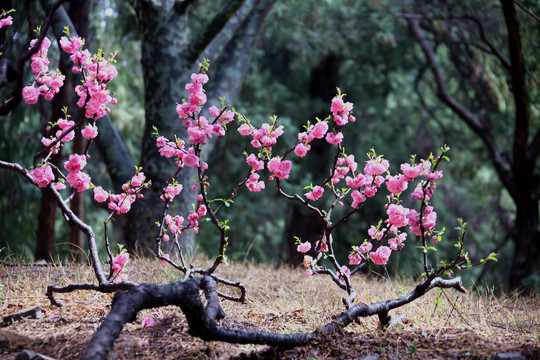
[(527, 10), (469, 118)]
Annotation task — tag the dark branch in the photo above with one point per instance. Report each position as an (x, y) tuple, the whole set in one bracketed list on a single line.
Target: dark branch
[(470, 119), (203, 319), (219, 21)]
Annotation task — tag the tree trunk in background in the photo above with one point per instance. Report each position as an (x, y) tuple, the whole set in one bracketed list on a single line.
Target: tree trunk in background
[(526, 261), (516, 165), (302, 222), (168, 59), (78, 11), (47, 211)]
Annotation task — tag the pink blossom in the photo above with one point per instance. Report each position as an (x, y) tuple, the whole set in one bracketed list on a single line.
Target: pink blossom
[(430, 218), (365, 247), (396, 243), (414, 222), (120, 261), (174, 223), (79, 181), (90, 131), (357, 181), (381, 256), (75, 163), (170, 192), (411, 171), (6, 21), (315, 194), (201, 211), (245, 129), (59, 185), (30, 95), (320, 129), (72, 45), (420, 192), (67, 135), (148, 321), (165, 256), (355, 258), (323, 245), (253, 184), (358, 198), (39, 65), (190, 159), (376, 166), (337, 105), (199, 78), (304, 247), (194, 88), (334, 139), (255, 164), (121, 203), (138, 179), (100, 195), (280, 168), (375, 233), (397, 184), (301, 150), (42, 176), (370, 191), (434, 176), (397, 214)]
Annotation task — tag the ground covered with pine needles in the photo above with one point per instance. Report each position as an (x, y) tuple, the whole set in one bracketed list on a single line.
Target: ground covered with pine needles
[(444, 324)]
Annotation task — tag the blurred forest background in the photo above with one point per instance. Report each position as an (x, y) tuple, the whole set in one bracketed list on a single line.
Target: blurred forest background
[(421, 74)]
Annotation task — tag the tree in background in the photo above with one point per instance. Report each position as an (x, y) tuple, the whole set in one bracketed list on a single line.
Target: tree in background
[(481, 62), (176, 37)]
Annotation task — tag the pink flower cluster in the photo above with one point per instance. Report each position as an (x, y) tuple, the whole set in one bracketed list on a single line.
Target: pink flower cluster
[(398, 215), (342, 111), (280, 168), (77, 179), (118, 264), (42, 176), (6, 21), (51, 82), (98, 71), (170, 192), (315, 194), (174, 223), (253, 184), (121, 203), (197, 97), (316, 131), (265, 137)]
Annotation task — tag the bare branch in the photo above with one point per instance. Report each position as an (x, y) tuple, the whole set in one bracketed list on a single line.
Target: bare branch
[(202, 319), (470, 119)]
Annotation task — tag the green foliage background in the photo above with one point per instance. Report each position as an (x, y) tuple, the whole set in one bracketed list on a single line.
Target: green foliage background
[(379, 64)]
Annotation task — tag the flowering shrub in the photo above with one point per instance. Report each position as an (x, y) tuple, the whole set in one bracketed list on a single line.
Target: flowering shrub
[(349, 184)]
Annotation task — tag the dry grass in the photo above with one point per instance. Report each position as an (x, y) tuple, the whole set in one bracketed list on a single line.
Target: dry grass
[(442, 324)]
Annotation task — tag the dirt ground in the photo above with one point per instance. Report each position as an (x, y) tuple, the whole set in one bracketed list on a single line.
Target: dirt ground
[(453, 327)]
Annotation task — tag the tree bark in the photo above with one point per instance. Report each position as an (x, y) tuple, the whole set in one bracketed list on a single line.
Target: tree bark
[(517, 174), (526, 259), (167, 59), (203, 318)]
